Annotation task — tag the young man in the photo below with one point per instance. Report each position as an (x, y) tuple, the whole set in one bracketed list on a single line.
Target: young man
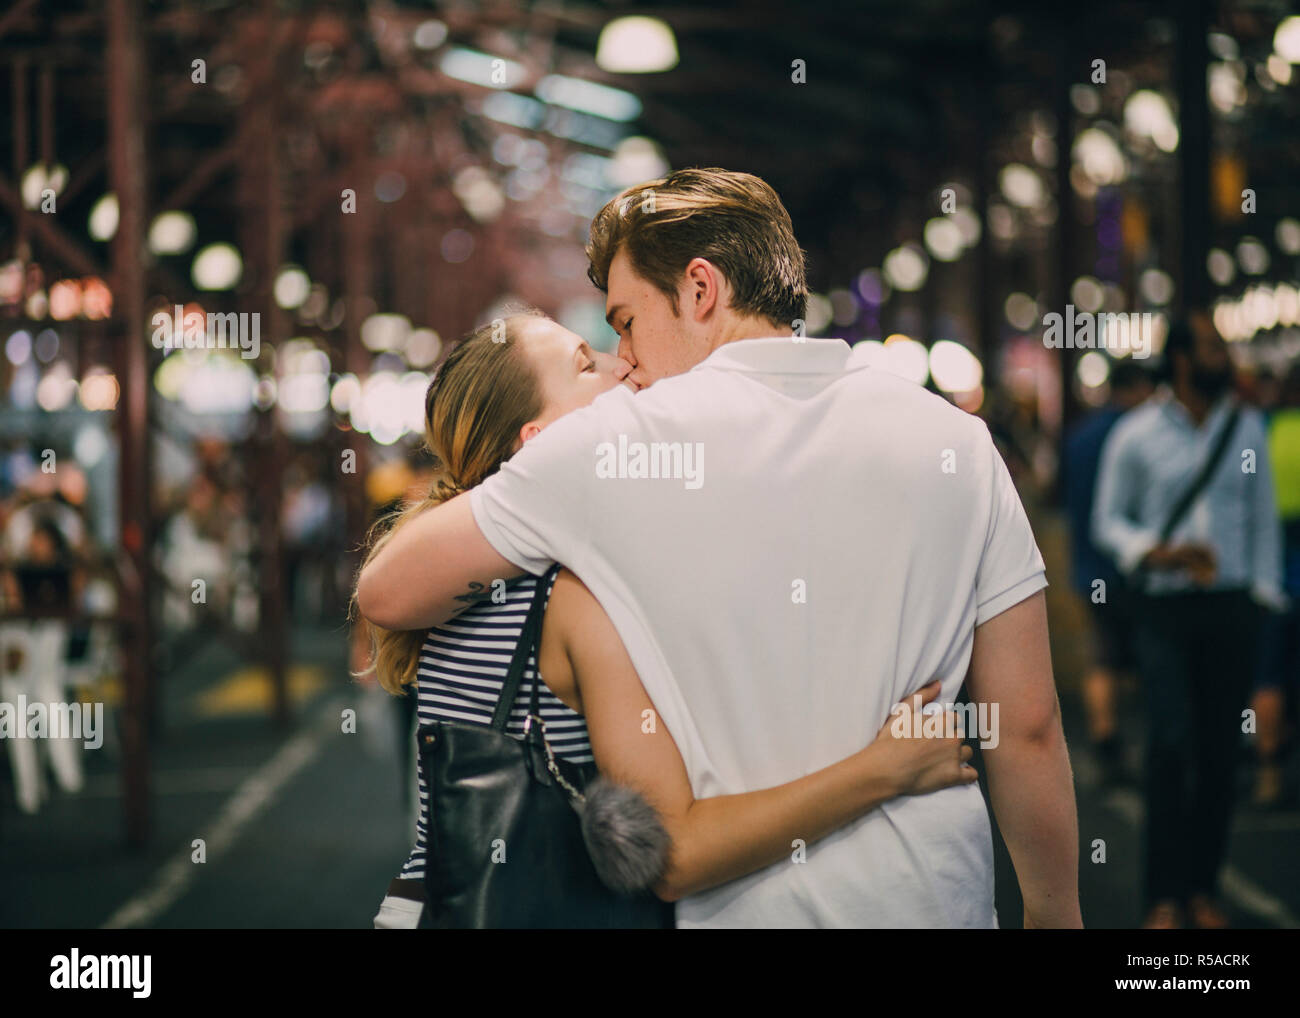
[(787, 547), (1205, 583), (1091, 569)]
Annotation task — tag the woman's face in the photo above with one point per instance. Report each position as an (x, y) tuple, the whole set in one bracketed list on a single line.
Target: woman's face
[(570, 373)]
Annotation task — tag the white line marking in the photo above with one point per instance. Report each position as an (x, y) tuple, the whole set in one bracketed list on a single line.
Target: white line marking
[(1253, 898), (1237, 887), (250, 799)]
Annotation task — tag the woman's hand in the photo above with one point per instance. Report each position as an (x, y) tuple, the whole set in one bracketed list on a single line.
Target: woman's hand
[(919, 763)]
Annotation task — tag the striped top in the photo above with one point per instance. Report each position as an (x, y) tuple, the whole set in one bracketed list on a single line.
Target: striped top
[(463, 665)]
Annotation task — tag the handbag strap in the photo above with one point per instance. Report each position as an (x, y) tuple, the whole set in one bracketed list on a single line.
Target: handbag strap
[(1211, 464), (529, 638)]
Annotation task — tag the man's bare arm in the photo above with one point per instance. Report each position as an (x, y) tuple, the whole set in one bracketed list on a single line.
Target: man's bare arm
[(1030, 784), (432, 568)]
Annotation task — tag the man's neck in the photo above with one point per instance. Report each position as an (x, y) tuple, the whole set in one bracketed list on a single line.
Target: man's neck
[(748, 328), (1196, 403)]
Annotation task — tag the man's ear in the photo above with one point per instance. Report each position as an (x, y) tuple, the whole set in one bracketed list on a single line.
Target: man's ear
[(704, 285), (528, 431)]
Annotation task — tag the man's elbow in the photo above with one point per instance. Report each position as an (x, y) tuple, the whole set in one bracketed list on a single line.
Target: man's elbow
[(669, 892), (674, 885), (677, 879), (1038, 728)]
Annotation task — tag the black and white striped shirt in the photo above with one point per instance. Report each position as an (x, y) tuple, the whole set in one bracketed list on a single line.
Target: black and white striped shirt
[(463, 665)]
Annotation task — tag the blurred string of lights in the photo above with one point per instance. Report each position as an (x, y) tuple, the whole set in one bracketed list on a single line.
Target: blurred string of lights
[(558, 150), (1119, 164)]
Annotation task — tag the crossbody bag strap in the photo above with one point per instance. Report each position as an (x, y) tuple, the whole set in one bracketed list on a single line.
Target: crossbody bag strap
[(544, 583), (529, 637), (1208, 468)]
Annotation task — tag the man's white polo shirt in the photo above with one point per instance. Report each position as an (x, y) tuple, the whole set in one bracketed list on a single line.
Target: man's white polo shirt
[(788, 546)]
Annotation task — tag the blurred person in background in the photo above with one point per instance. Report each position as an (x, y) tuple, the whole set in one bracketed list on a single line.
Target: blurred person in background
[(1094, 576), (1010, 422), (1265, 390), (190, 549), (47, 496), (42, 578), (1277, 687), (208, 537), (309, 521), (1185, 507)]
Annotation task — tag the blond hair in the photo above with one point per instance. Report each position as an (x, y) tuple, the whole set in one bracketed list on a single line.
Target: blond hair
[(476, 404), (734, 220)]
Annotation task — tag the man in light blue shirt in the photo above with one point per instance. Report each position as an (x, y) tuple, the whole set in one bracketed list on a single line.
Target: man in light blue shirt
[(1111, 651), (1207, 581)]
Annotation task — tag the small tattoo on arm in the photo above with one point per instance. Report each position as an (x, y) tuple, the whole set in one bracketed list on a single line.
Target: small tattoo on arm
[(476, 593)]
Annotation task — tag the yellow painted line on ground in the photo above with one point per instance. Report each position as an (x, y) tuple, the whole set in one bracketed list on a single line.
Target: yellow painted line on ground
[(107, 690), (248, 690)]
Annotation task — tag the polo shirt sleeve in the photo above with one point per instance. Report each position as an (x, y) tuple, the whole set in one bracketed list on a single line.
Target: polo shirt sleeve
[(535, 510), (1011, 567)]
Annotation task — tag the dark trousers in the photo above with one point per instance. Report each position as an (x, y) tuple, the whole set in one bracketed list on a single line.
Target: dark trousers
[(1197, 656)]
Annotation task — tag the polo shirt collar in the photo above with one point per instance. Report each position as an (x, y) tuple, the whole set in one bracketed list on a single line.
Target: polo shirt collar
[(780, 355)]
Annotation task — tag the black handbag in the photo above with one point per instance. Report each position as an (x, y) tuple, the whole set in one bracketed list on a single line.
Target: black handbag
[(504, 845)]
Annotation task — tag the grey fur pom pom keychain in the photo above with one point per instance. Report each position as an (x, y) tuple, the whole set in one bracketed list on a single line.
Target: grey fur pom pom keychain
[(625, 836)]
